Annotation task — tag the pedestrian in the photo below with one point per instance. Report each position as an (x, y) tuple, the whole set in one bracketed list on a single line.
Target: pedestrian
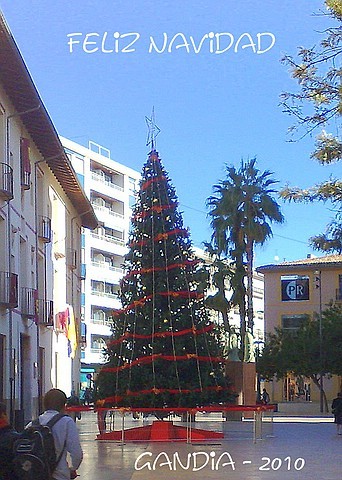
[(74, 401), (265, 397), (7, 437), (88, 396), (65, 435), (336, 408)]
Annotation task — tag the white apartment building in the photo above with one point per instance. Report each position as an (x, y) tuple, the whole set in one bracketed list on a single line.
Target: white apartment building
[(233, 315), (42, 210), (110, 187)]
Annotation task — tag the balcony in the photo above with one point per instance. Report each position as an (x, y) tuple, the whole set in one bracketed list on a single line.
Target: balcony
[(108, 267), (6, 181), (107, 212), (104, 294), (108, 321), (98, 344), (108, 238), (102, 180), (8, 289), (44, 229), (28, 302), (44, 312)]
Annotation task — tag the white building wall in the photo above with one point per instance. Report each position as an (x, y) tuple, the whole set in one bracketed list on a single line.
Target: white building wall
[(110, 186), (18, 256), (233, 316), (34, 354)]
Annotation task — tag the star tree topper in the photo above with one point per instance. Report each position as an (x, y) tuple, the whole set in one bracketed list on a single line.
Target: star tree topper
[(153, 130)]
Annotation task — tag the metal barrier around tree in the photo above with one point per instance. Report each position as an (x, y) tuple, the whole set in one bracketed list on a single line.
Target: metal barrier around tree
[(178, 424)]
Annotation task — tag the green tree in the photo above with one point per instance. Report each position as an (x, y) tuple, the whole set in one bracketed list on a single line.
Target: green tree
[(164, 350), (329, 191), (305, 352), (241, 212), (317, 105)]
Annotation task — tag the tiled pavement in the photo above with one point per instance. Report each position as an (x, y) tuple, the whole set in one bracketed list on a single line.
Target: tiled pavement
[(308, 449)]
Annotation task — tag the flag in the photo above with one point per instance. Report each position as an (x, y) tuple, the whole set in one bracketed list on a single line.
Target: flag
[(61, 322), (71, 332)]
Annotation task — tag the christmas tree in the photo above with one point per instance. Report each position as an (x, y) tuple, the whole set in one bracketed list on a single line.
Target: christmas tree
[(164, 351)]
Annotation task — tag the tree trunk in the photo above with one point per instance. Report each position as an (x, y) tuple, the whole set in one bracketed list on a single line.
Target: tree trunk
[(250, 312), (242, 308), (316, 381)]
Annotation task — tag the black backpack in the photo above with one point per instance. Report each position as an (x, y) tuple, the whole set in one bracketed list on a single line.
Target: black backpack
[(34, 451)]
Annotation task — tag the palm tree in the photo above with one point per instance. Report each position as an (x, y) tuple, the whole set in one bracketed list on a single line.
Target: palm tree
[(241, 212), (220, 272)]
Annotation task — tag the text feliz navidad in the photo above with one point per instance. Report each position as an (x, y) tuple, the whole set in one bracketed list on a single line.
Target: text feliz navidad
[(212, 43)]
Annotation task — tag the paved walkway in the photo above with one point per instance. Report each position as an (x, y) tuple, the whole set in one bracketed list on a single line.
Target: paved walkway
[(292, 448)]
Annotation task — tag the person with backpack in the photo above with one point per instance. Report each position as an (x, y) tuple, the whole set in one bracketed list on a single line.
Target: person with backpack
[(7, 437), (40, 453)]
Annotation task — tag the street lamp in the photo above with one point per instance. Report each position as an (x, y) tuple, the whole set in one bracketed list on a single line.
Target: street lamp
[(318, 283)]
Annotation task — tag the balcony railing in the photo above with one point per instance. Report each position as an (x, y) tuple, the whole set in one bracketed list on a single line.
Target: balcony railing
[(107, 266), (28, 302), (8, 289), (104, 294), (101, 179), (97, 349), (44, 229), (44, 312), (102, 321), (108, 238), (107, 210), (6, 181)]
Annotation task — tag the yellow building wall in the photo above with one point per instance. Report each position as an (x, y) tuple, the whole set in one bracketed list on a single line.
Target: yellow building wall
[(275, 308)]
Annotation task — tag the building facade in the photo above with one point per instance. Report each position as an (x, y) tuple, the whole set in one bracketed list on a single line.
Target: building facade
[(233, 314), (42, 210), (294, 291), (110, 187)]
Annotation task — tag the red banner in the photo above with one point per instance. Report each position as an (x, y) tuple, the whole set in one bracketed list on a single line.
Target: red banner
[(143, 300), (176, 231), (179, 333), (146, 184), (159, 356), (155, 208), (165, 268)]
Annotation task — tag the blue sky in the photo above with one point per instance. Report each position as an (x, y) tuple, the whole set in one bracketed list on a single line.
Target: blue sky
[(212, 108)]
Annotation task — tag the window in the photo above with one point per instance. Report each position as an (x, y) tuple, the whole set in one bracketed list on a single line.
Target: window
[(131, 184), (131, 201), (293, 322), (98, 343), (339, 290), (25, 163)]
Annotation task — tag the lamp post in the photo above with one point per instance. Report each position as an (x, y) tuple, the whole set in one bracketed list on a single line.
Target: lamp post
[(318, 282)]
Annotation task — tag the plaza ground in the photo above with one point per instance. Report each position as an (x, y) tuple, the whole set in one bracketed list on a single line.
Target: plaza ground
[(291, 448)]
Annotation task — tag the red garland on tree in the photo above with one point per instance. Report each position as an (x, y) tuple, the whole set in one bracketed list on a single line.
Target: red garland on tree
[(164, 350)]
